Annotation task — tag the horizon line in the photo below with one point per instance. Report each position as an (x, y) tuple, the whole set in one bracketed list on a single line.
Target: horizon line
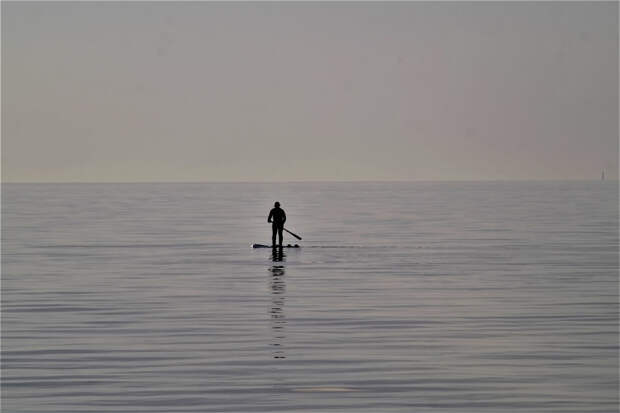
[(309, 181)]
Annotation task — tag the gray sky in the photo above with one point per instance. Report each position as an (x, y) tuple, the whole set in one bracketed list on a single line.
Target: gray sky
[(169, 91)]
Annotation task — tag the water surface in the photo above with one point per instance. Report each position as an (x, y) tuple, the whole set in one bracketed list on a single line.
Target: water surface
[(425, 297)]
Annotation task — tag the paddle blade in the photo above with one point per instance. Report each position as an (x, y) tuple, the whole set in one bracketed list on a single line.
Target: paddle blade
[(293, 234)]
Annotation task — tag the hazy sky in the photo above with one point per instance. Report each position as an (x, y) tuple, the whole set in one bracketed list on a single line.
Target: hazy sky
[(170, 91)]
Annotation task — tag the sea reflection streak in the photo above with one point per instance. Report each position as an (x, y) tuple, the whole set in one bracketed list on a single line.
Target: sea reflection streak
[(278, 298)]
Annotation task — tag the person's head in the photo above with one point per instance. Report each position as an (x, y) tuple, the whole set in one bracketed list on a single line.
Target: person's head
[(277, 204)]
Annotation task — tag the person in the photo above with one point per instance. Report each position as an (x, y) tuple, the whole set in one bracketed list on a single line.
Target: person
[(277, 217)]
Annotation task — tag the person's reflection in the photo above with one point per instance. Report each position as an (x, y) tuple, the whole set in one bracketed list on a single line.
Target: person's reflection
[(278, 297), (277, 254)]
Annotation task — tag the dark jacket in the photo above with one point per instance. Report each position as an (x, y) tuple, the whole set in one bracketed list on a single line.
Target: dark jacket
[(277, 216)]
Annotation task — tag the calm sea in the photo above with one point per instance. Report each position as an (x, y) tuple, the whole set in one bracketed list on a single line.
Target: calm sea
[(405, 297)]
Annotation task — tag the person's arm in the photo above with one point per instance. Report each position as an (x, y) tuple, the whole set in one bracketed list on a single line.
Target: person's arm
[(283, 217), (270, 215)]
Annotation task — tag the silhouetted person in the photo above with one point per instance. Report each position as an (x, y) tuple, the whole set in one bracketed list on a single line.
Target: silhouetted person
[(277, 217)]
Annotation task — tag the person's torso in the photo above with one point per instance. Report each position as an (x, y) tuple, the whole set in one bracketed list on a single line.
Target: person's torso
[(277, 214)]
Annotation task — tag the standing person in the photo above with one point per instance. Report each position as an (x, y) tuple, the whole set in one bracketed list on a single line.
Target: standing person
[(277, 217)]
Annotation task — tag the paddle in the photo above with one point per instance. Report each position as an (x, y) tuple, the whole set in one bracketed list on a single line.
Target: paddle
[(295, 235)]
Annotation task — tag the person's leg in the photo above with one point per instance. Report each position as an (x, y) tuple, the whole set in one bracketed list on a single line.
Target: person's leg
[(274, 229), (280, 236)]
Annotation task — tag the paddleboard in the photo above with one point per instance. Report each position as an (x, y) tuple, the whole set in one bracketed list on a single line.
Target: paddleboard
[(269, 246)]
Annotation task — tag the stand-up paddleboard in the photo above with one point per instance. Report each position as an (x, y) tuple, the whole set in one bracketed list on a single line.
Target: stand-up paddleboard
[(269, 246)]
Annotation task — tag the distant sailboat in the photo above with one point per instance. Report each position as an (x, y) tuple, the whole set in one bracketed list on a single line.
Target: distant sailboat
[(603, 175)]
